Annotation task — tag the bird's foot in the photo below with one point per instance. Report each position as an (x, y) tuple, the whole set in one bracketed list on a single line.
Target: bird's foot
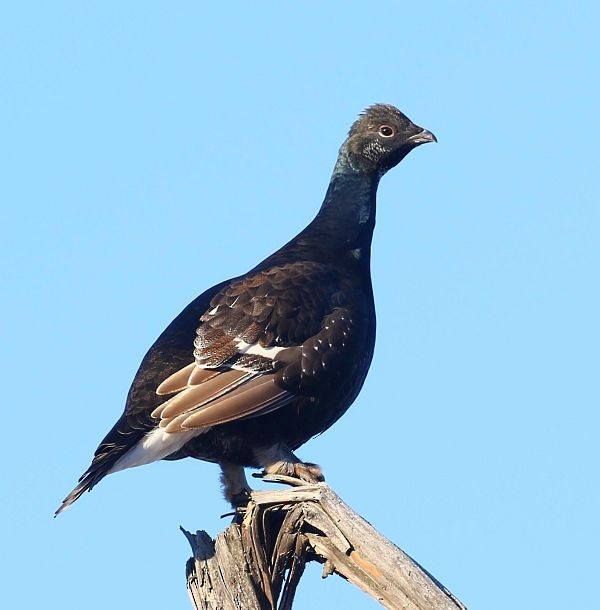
[(235, 486), (303, 471), (281, 465), (240, 499), (238, 514)]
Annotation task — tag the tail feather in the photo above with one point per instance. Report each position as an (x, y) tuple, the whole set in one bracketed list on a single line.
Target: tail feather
[(115, 445), (86, 482)]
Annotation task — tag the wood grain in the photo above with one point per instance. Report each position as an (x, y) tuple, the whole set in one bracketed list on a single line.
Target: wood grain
[(257, 562)]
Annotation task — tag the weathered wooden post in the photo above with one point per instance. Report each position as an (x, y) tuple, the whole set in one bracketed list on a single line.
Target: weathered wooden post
[(256, 563)]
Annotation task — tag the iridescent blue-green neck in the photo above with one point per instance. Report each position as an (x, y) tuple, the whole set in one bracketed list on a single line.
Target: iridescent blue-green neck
[(343, 227), (347, 215)]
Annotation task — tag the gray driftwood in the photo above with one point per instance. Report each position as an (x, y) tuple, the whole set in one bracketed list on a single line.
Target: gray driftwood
[(257, 564)]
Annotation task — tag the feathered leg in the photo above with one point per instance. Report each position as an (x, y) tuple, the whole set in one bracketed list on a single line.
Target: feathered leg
[(235, 486)]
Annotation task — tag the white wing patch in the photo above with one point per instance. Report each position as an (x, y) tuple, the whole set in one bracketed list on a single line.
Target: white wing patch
[(256, 349)]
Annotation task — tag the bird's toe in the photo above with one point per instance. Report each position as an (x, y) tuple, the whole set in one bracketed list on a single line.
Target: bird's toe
[(240, 499), (305, 471)]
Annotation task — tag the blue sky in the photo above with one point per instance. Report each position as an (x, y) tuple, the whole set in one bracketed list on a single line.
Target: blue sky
[(152, 149)]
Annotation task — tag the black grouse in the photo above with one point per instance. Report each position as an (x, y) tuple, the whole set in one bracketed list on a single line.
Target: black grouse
[(259, 364)]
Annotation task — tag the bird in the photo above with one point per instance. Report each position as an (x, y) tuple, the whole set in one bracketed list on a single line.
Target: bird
[(259, 364)]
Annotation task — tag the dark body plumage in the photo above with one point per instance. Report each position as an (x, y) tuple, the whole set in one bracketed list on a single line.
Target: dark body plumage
[(257, 365)]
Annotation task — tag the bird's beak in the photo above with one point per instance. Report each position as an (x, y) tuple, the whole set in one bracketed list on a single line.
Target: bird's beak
[(422, 137)]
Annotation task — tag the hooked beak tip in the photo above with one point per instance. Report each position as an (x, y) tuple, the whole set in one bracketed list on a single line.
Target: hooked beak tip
[(423, 137)]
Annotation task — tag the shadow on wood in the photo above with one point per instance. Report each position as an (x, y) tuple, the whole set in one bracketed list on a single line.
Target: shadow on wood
[(257, 564)]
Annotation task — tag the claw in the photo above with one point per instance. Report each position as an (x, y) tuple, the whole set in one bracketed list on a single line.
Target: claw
[(238, 515), (240, 499), (305, 471), (292, 473)]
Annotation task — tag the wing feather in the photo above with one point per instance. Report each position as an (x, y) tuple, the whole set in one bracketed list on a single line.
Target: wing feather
[(263, 341), (177, 381), (256, 397), (197, 395)]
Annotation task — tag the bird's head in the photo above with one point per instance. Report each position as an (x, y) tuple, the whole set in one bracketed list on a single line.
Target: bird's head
[(380, 138)]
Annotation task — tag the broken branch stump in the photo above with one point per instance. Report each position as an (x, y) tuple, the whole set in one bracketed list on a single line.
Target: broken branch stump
[(257, 564)]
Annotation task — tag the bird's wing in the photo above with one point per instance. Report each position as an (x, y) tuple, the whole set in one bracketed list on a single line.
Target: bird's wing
[(263, 340)]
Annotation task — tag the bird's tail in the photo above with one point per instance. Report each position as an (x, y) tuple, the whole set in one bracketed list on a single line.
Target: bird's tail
[(104, 459), (86, 482), (115, 444)]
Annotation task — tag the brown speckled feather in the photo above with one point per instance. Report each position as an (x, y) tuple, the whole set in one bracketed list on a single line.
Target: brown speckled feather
[(263, 340)]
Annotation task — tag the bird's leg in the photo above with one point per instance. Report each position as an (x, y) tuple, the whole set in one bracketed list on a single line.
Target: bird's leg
[(278, 459), (235, 486)]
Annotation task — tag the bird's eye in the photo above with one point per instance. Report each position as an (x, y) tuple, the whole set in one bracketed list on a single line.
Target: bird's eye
[(386, 131)]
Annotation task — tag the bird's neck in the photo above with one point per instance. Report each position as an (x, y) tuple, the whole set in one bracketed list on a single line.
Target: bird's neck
[(345, 222), (343, 228)]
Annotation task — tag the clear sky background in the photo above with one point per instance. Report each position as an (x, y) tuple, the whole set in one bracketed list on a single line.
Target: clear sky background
[(151, 149)]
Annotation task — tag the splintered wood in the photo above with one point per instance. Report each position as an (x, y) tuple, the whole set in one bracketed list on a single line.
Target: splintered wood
[(257, 565)]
